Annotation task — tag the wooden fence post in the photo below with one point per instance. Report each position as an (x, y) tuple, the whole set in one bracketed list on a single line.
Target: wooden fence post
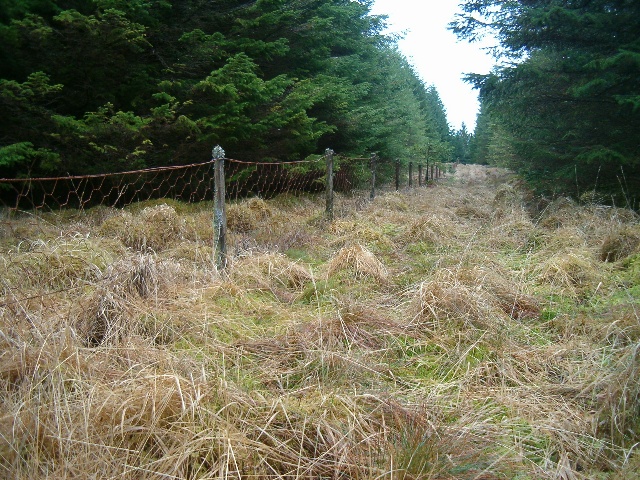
[(397, 174), (419, 174), (410, 174), (374, 158), (328, 154), (219, 210)]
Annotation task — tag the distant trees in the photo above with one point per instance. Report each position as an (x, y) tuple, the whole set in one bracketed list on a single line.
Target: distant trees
[(564, 109), (105, 85), (462, 140)]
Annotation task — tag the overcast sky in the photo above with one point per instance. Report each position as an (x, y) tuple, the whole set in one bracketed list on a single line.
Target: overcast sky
[(436, 54)]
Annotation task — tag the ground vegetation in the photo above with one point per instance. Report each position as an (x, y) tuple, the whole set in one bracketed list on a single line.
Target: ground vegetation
[(453, 331)]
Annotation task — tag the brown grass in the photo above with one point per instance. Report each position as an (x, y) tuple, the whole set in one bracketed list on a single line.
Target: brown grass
[(434, 333), (359, 262)]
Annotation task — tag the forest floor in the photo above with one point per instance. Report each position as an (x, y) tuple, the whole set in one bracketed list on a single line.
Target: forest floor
[(454, 331)]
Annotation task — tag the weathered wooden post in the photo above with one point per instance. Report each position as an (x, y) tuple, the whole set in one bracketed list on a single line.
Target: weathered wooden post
[(374, 158), (328, 154), (219, 210), (397, 174), (420, 175), (410, 174)]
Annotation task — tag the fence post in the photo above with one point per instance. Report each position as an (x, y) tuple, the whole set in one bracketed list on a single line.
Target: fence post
[(374, 158), (397, 174), (328, 153), (410, 174), (420, 175), (219, 210), (432, 168)]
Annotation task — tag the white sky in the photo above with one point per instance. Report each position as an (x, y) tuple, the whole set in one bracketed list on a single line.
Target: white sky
[(436, 54)]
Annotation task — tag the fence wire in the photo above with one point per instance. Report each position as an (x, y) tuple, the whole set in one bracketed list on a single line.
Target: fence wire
[(188, 183)]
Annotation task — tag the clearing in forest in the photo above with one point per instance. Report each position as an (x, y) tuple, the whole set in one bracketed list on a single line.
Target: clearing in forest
[(456, 331)]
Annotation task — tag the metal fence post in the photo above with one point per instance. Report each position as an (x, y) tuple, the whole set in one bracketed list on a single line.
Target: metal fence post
[(328, 153), (219, 209)]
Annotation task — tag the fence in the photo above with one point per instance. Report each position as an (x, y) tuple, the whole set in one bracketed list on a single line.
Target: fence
[(221, 179)]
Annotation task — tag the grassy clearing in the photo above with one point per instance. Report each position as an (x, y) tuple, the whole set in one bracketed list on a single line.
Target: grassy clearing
[(440, 333)]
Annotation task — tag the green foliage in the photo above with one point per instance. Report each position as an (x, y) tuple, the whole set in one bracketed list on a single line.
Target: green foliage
[(19, 156), (462, 141), (565, 107), (107, 85)]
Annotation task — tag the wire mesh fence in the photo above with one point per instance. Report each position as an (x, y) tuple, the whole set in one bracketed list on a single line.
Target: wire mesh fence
[(188, 183), (317, 176)]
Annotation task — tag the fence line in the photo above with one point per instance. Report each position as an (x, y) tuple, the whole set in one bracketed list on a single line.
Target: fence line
[(220, 179)]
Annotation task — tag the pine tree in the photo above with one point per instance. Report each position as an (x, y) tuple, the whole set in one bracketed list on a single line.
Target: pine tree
[(568, 99)]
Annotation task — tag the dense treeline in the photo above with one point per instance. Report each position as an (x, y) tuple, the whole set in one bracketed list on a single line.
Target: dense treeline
[(105, 85), (564, 108)]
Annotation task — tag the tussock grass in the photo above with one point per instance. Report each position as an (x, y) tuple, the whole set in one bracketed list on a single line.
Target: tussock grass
[(244, 216), (620, 244), (272, 272), (61, 262), (370, 236), (433, 230), (392, 201), (570, 272), (436, 333), (154, 228), (359, 262)]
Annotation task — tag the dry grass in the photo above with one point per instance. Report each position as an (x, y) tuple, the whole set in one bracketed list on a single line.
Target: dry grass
[(620, 244), (437, 333), (154, 228), (359, 262)]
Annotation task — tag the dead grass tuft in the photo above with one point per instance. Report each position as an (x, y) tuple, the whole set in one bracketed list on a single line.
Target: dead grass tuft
[(433, 230), (112, 312), (245, 216), (348, 232), (272, 272), (618, 396), (63, 262), (446, 302), (393, 201), (471, 212), (507, 197), (514, 231), (475, 297), (354, 326), (358, 261), (571, 272), (154, 228), (620, 244)]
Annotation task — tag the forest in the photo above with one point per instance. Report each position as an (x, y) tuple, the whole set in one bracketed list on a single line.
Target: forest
[(563, 106), (110, 85)]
